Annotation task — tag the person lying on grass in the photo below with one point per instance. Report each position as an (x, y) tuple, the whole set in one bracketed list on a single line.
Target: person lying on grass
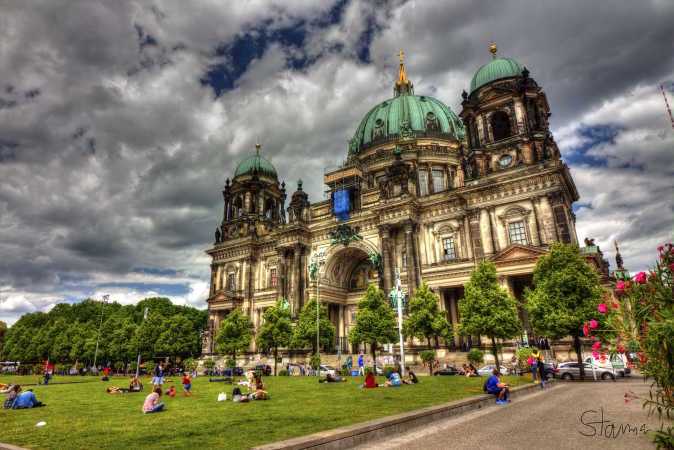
[(152, 404), (497, 388), (26, 400), (393, 380), (329, 378)]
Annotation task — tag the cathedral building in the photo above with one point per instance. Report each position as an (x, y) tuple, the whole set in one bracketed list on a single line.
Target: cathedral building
[(424, 195)]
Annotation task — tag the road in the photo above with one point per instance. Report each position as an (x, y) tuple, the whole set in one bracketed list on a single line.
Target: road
[(568, 416)]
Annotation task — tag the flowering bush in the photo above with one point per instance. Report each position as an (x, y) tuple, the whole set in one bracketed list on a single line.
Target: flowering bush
[(641, 321)]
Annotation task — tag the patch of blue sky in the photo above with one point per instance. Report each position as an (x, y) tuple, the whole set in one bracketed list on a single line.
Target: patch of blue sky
[(235, 56), (592, 137)]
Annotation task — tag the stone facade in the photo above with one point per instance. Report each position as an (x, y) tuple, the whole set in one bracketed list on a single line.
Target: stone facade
[(425, 193)]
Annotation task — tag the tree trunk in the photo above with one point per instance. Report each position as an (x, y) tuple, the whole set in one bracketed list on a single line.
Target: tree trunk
[(494, 351), (373, 348), (275, 359), (581, 366)]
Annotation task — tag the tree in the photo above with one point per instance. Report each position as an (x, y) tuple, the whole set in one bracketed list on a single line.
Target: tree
[(178, 338), (375, 321), (234, 334), (566, 295), (305, 328), (488, 309), (276, 331), (425, 319), (428, 357)]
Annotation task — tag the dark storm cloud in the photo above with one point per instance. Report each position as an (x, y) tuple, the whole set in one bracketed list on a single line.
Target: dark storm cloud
[(114, 148)]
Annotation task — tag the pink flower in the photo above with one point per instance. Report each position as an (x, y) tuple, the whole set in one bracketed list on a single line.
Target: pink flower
[(602, 308), (593, 323), (595, 355), (596, 345), (585, 329), (641, 278)]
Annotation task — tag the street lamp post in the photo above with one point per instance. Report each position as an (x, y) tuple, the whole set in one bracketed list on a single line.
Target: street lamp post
[(138, 362), (105, 300)]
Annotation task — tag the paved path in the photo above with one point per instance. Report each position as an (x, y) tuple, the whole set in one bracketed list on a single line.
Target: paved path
[(550, 420)]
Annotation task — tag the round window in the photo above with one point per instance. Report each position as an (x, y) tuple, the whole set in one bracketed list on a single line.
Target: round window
[(505, 160)]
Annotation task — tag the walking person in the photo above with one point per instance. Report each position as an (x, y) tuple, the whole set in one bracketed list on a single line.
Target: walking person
[(158, 378), (533, 361)]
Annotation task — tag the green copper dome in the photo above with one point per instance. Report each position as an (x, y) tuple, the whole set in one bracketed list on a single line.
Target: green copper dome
[(495, 69), (406, 115), (255, 163)]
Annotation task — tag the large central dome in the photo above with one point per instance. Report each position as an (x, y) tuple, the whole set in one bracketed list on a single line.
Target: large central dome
[(406, 115)]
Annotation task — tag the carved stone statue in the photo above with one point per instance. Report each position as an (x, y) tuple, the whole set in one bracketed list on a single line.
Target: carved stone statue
[(459, 180)]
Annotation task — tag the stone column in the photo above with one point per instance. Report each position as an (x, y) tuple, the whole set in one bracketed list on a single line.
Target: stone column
[(537, 228), (485, 229), (384, 236), (411, 264), (467, 237), (492, 230)]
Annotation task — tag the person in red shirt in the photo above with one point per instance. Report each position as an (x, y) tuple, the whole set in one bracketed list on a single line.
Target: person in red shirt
[(187, 385)]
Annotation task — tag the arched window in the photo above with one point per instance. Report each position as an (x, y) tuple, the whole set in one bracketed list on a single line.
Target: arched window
[(500, 125)]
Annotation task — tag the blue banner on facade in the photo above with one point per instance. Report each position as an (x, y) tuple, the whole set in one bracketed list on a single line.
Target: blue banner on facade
[(341, 205)]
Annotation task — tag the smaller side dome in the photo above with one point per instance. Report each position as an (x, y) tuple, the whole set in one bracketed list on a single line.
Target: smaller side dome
[(496, 69), (256, 164)]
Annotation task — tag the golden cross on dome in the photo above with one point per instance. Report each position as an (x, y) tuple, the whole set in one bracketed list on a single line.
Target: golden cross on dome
[(401, 55)]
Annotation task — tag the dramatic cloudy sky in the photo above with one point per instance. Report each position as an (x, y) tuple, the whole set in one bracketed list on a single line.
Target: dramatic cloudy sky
[(119, 121)]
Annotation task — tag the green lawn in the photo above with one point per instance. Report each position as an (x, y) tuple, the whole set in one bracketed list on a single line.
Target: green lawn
[(83, 415)]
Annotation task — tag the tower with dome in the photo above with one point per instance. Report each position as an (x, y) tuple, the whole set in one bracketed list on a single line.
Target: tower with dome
[(424, 192)]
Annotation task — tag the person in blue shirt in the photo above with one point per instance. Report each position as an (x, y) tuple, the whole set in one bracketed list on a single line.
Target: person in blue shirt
[(26, 400), (495, 387), (361, 369)]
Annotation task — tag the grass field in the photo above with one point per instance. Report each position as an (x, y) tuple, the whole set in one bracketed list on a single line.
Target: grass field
[(83, 415)]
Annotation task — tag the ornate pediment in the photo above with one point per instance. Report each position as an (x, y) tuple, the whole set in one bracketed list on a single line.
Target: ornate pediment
[(517, 252)]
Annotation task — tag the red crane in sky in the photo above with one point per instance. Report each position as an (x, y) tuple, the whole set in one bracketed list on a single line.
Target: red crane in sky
[(669, 111)]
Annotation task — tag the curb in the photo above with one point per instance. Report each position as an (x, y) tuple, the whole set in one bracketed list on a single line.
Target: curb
[(10, 447), (360, 433)]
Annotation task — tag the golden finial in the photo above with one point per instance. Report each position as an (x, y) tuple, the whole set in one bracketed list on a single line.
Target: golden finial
[(493, 49), (401, 55)]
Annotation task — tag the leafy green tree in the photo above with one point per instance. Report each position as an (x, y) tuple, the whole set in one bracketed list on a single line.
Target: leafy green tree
[(234, 334), (375, 321), (566, 295), (425, 320), (178, 338), (428, 357), (305, 328), (147, 334), (276, 331), (488, 309)]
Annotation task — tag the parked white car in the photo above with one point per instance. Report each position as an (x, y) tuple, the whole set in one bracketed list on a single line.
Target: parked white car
[(489, 368)]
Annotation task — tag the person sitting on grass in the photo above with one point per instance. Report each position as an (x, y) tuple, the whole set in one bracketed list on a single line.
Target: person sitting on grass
[(370, 381), (411, 377), (187, 385), (135, 385), (11, 397), (330, 378), (26, 400), (497, 388), (393, 380), (152, 404)]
